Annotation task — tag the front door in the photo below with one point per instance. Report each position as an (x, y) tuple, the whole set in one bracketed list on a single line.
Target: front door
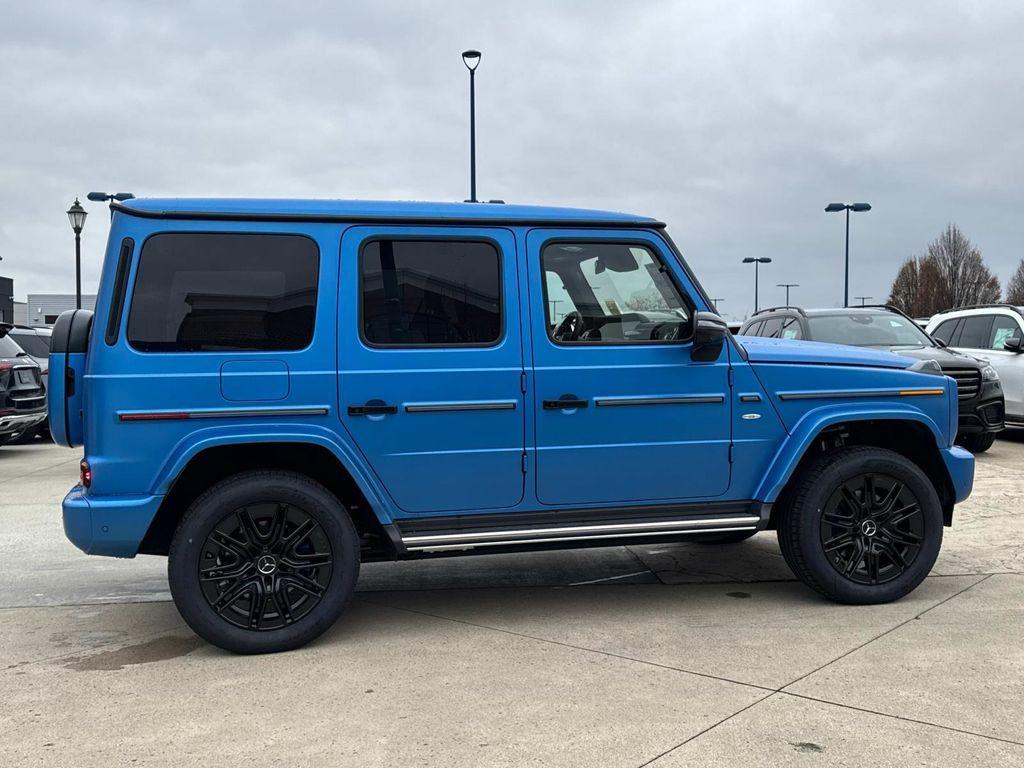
[(430, 364), (625, 414)]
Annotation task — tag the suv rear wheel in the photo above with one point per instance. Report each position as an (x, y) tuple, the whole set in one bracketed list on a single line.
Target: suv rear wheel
[(263, 562), (864, 526)]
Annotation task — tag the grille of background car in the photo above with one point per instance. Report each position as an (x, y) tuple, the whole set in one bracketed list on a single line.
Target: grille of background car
[(968, 380)]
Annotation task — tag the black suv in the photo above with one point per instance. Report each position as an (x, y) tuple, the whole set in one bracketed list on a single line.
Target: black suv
[(981, 394), (22, 395)]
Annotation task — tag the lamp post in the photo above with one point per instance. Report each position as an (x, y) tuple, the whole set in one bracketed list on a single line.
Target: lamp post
[(715, 302), (856, 207), (471, 59), (787, 286), (76, 215), (863, 299), (757, 262)]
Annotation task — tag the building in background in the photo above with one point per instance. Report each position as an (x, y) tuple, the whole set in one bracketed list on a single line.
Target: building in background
[(6, 300), (45, 308), (20, 313)]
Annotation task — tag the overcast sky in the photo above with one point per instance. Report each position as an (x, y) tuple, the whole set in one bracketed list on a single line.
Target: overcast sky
[(734, 122)]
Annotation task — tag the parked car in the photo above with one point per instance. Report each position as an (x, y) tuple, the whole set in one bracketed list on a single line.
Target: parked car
[(993, 332), (272, 392), (36, 342), (980, 393), (22, 396)]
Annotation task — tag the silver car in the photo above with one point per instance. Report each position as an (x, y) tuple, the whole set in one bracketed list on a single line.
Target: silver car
[(993, 332)]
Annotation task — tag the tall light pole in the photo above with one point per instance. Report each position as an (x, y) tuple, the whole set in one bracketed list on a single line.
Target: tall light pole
[(757, 262), (856, 207), (863, 299), (471, 59), (715, 302), (76, 215), (787, 286)]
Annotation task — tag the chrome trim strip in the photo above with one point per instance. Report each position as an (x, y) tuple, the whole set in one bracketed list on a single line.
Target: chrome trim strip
[(530, 533), (644, 400), (220, 413), (513, 542), (485, 405), (841, 394)]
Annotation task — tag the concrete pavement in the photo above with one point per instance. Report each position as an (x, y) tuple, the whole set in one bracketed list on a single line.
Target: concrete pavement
[(648, 655)]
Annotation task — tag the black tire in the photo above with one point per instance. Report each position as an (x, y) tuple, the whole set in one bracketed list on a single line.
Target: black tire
[(822, 511), (978, 443), (732, 537), (301, 593)]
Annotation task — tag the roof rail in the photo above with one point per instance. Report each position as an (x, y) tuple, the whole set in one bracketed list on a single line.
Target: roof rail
[(776, 309), (891, 308), (996, 305)]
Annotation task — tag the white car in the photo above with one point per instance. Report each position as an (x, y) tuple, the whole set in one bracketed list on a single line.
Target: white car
[(993, 332)]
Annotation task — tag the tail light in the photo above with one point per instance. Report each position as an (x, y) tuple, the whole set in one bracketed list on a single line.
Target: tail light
[(85, 474)]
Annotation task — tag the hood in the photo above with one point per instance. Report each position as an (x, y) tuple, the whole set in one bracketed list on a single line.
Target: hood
[(938, 354), (764, 350)]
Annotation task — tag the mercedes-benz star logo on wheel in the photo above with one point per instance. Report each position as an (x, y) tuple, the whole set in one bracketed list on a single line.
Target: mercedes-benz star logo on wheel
[(869, 528), (266, 565)]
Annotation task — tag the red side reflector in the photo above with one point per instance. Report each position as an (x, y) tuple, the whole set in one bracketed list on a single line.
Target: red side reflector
[(85, 473), (153, 416)]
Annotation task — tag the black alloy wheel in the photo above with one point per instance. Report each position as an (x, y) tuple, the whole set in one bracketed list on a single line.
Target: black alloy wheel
[(265, 566), (872, 528)]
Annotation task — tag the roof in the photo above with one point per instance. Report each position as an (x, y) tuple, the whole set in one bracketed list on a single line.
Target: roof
[(372, 210)]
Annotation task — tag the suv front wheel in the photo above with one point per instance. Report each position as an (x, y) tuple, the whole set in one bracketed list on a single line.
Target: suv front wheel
[(263, 561), (863, 526)]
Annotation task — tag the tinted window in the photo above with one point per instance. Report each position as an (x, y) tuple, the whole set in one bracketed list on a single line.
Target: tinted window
[(975, 332), (791, 329), (35, 345), (944, 331), (210, 292), (610, 292), (1003, 327), (417, 292), (772, 328)]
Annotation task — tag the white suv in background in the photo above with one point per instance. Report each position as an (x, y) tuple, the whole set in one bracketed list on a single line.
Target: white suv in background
[(994, 332)]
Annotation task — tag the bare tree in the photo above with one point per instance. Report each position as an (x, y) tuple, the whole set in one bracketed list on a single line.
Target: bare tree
[(951, 274), (1015, 288)]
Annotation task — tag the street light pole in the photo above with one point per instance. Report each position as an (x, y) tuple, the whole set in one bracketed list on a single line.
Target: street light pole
[(757, 262), (715, 302), (863, 299), (471, 59), (856, 208), (787, 286), (76, 215)]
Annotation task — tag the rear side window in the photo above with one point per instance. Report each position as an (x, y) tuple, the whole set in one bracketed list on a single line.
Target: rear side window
[(1003, 328), (944, 331), (207, 292), (430, 293), (791, 329), (975, 332)]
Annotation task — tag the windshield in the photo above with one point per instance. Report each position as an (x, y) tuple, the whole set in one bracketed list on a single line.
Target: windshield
[(868, 329), (34, 344)]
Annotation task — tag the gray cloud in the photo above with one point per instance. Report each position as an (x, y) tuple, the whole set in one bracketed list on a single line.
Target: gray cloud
[(735, 123)]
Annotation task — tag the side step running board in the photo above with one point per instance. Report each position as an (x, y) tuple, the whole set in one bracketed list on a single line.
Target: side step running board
[(440, 542)]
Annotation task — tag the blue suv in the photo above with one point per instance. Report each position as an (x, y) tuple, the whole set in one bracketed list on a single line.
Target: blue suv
[(271, 392)]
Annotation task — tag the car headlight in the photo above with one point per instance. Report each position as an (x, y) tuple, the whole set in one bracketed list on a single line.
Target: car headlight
[(988, 373)]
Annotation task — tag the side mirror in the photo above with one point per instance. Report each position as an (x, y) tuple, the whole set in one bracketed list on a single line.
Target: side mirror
[(709, 335), (1014, 344)]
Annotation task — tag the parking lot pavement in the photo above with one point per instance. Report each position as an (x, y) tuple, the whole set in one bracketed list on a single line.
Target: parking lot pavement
[(647, 655)]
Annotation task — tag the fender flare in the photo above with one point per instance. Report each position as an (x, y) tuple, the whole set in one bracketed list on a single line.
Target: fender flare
[(214, 437), (814, 421)]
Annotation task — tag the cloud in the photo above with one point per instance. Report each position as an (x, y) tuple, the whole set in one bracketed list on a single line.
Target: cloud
[(735, 123)]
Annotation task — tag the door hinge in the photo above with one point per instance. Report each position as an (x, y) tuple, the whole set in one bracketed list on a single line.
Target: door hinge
[(523, 462), (731, 446), (522, 382), (731, 377)]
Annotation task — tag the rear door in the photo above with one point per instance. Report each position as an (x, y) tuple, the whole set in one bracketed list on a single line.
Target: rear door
[(625, 414), (430, 364)]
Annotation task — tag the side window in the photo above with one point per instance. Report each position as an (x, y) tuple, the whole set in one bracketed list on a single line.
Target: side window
[(754, 329), (430, 293), (772, 328), (944, 331), (975, 333), (207, 292), (1003, 327), (610, 292), (791, 329)]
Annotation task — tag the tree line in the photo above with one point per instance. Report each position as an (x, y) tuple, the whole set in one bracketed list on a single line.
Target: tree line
[(951, 273)]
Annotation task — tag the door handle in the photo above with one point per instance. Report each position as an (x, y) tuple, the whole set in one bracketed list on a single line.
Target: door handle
[(564, 402), (371, 409)]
